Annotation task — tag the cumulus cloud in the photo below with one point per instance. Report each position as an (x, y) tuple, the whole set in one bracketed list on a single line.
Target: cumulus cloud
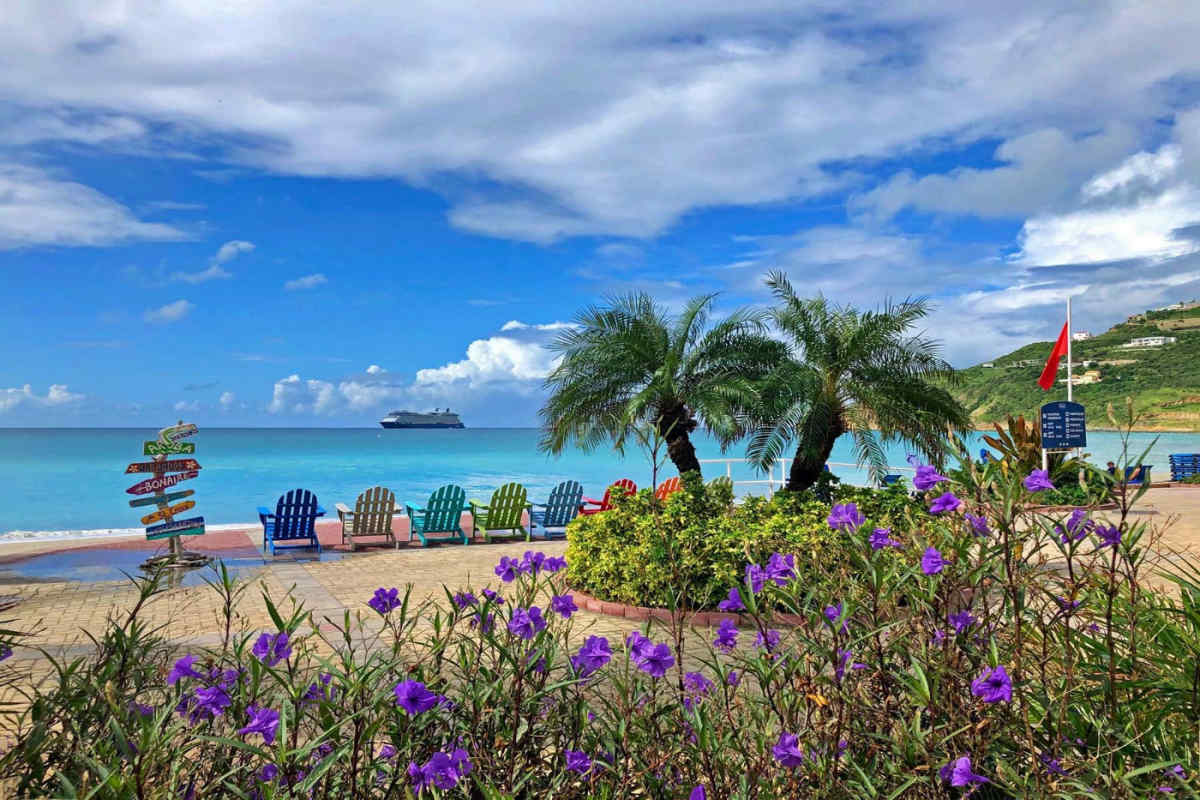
[(57, 395), (171, 312), (375, 369), (497, 359), (216, 270), (516, 325), (227, 400), (294, 395), (38, 207), (306, 282)]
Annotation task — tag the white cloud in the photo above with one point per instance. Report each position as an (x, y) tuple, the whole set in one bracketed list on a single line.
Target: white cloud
[(57, 395), (293, 395), (1022, 296), (227, 400), (38, 207), (375, 369), (1148, 168), (187, 405), (517, 325), (492, 360), (306, 282), (216, 271), (171, 312)]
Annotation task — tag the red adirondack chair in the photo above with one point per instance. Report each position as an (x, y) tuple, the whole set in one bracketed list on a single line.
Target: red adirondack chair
[(626, 485), (667, 488)]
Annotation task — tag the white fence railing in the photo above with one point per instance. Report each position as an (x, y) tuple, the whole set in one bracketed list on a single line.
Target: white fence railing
[(773, 481)]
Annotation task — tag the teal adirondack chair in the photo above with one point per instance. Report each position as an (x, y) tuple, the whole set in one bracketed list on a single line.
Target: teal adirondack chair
[(504, 513), (560, 509), (441, 517)]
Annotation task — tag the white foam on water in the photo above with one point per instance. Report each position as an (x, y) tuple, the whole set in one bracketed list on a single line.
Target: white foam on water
[(100, 533)]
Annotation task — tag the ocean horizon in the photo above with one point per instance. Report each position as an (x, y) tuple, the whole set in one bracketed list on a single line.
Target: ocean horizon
[(70, 482)]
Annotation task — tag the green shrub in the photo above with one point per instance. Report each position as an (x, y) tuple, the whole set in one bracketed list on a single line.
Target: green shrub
[(643, 552)]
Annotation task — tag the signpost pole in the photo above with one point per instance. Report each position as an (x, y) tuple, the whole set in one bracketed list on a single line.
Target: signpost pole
[(176, 556)]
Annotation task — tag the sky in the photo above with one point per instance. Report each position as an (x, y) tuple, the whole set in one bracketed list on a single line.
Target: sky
[(303, 213)]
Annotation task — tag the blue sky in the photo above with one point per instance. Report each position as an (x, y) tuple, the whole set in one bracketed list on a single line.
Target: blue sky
[(294, 214)]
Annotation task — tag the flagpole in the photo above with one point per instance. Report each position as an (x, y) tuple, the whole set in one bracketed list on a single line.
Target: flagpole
[(1069, 381)]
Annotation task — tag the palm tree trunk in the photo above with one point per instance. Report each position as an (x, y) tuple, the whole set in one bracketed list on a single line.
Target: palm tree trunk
[(675, 425), (811, 456)]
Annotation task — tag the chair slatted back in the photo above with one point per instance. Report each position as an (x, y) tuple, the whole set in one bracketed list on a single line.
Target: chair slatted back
[(295, 515), (507, 506), (373, 512), (667, 488), (563, 505), (444, 510), (626, 485)]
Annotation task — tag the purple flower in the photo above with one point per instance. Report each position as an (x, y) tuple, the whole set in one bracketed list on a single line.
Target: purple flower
[(263, 721), (442, 771), (932, 562), (554, 564), (464, 599), (834, 613), (993, 686), (384, 600), (387, 752), (319, 691), (979, 524), (1053, 765), (268, 773), (1109, 536), (727, 634), (787, 750), (1068, 605), (526, 624), (637, 644), (939, 636), (1078, 526), (696, 683), (945, 503), (508, 569), (781, 568), (414, 698), (141, 710), (493, 596), (183, 669), (845, 518), (593, 655), (959, 773), (961, 621), (5, 652), (205, 702), (756, 577), (1036, 481), (926, 476), (839, 669), (578, 761), (698, 793), (563, 604), (733, 602), (656, 660), (270, 649), (532, 561), (486, 622), (881, 538), (734, 678), (768, 641)]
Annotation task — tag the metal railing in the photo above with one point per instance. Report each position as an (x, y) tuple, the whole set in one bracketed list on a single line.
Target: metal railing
[(771, 481)]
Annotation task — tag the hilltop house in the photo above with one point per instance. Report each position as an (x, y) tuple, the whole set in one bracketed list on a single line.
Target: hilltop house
[(1150, 341), (1080, 336)]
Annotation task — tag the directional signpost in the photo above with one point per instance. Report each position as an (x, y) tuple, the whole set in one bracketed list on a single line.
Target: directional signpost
[(166, 474)]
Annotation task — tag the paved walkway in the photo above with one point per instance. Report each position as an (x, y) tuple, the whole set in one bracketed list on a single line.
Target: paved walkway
[(60, 612)]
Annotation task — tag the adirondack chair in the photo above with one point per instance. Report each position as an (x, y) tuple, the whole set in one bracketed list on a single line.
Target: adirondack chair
[(559, 510), (441, 517), (294, 520), (667, 488), (372, 516), (605, 503), (504, 513)]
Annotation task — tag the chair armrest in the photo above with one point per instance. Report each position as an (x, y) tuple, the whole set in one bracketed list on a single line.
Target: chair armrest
[(474, 504), (593, 501), (343, 510), (412, 509), (265, 512), (538, 505), (320, 511)]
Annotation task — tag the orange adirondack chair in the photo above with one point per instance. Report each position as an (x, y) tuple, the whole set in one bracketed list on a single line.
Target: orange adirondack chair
[(667, 488), (604, 504)]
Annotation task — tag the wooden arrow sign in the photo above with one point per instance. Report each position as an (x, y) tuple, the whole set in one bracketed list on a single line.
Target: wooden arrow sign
[(199, 529), (177, 525), (177, 432), (164, 498), (156, 448), (163, 513), (178, 465), (159, 483)]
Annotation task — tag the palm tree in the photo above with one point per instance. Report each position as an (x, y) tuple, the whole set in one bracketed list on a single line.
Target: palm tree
[(629, 363), (852, 372)]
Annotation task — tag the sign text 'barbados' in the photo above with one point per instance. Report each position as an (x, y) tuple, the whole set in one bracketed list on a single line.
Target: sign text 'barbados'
[(177, 465)]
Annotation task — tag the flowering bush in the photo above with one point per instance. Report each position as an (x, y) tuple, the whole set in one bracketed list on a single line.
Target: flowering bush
[(987, 650), (645, 552)]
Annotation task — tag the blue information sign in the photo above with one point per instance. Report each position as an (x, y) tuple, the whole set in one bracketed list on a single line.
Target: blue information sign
[(1063, 426)]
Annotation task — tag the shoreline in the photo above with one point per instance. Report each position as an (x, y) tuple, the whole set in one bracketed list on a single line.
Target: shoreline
[(99, 534)]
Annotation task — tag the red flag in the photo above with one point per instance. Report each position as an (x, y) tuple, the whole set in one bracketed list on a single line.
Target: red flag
[(1050, 372)]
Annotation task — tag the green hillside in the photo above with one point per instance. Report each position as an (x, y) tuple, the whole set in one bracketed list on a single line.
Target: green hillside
[(1164, 382)]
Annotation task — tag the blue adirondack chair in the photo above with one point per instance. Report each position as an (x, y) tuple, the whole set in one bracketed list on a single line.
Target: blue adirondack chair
[(441, 517), (294, 520), (561, 508)]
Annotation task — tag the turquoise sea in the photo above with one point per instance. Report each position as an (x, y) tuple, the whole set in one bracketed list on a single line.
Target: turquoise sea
[(72, 480)]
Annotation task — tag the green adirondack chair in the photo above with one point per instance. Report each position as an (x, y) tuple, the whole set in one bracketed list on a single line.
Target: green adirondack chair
[(441, 518), (503, 513)]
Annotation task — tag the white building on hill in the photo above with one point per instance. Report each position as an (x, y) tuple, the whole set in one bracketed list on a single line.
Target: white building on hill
[(1150, 341)]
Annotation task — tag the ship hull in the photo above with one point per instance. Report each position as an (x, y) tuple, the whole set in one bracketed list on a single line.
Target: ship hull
[(393, 425)]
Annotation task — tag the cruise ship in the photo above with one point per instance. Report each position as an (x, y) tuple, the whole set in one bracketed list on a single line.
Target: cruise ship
[(438, 418)]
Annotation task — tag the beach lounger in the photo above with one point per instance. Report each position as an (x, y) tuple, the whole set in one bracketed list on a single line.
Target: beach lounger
[(372, 516), (1139, 474), (294, 520), (441, 517), (558, 510), (1184, 465), (605, 503), (505, 512), (667, 488)]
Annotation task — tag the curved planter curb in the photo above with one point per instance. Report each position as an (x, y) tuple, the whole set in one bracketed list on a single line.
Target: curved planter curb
[(695, 619)]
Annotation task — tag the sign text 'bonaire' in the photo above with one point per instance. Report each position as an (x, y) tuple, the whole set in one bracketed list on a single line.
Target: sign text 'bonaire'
[(176, 465), (160, 482)]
